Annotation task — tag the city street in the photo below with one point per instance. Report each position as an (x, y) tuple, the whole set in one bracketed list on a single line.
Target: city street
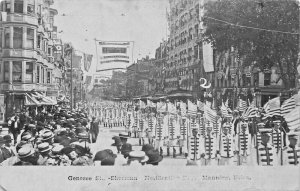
[(104, 141)]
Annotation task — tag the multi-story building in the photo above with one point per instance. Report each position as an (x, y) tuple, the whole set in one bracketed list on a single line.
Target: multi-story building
[(184, 64), (26, 57), (138, 77), (157, 77)]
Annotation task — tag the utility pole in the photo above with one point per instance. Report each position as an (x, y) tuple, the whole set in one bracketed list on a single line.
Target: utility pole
[(71, 102)]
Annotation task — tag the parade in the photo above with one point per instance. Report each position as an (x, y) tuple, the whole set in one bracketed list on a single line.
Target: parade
[(178, 130)]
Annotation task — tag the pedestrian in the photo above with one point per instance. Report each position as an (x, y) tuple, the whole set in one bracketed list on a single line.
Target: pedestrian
[(154, 157), (7, 149), (137, 158)]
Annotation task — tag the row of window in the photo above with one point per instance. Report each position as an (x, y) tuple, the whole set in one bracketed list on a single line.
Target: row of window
[(29, 41), (18, 37), (17, 72), (19, 7)]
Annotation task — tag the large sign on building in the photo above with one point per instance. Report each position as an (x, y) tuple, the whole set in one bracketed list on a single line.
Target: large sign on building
[(114, 54)]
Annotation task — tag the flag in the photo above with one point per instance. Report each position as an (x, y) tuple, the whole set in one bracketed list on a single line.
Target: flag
[(242, 106), (172, 108), (76, 61), (288, 105), (272, 107), (250, 111), (200, 105), (210, 114), (293, 119), (161, 107), (87, 61), (192, 108), (225, 109), (183, 110), (142, 104)]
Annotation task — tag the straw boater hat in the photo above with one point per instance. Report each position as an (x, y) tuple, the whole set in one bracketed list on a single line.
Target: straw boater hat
[(139, 155), (47, 135), (83, 135), (44, 147), (25, 151), (27, 137), (124, 136)]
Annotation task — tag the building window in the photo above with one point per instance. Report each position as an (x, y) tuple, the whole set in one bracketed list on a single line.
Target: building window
[(29, 72), (6, 37), (38, 69), (6, 71), (18, 37), (18, 6), (38, 45), (43, 76), (48, 77), (1, 33), (267, 79), (96, 80), (17, 71), (30, 38), (7, 7), (30, 9)]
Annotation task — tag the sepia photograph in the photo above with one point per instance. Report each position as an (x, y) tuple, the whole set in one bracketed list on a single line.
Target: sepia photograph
[(150, 95)]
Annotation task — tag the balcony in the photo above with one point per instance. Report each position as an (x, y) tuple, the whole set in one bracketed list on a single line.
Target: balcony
[(8, 53), (22, 18), (22, 87)]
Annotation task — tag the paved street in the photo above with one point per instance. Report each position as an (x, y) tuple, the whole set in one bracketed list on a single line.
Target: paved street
[(104, 141)]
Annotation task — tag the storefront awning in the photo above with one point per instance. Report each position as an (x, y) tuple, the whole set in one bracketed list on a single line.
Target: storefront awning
[(38, 99)]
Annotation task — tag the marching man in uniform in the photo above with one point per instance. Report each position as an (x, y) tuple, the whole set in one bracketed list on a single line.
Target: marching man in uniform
[(208, 147), (226, 146), (277, 140), (292, 153), (194, 148), (243, 144), (266, 152)]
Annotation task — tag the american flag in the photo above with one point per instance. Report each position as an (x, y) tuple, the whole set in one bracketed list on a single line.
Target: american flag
[(242, 106), (293, 119), (172, 108), (272, 107), (183, 108), (251, 110), (210, 114), (225, 110), (288, 105), (192, 108), (200, 105), (142, 104), (161, 107)]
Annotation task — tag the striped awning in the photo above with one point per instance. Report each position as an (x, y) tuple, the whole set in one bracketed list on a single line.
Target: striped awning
[(38, 99)]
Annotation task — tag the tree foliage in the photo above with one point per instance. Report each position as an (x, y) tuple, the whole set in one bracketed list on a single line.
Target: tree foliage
[(264, 48)]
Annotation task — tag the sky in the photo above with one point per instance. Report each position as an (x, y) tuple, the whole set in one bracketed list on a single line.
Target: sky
[(141, 21)]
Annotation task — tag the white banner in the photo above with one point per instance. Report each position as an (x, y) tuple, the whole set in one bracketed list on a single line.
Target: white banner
[(208, 57), (114, 54)]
